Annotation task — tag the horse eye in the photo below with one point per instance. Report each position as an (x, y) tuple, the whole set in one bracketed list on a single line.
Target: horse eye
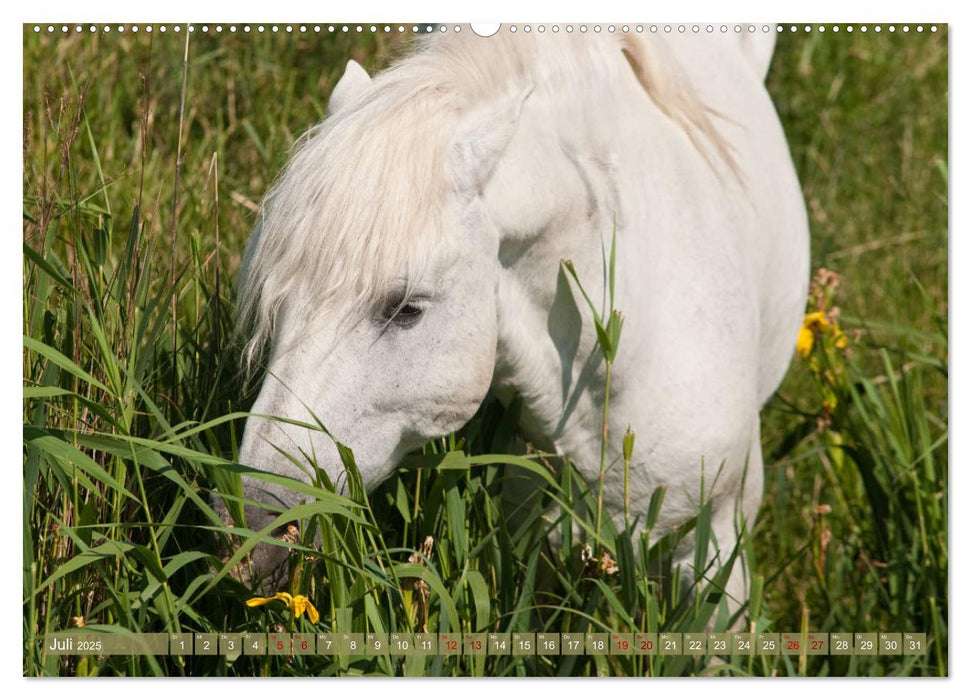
[(403, 313)]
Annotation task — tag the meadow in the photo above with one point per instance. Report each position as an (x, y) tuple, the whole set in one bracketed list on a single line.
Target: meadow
[(145, 157)]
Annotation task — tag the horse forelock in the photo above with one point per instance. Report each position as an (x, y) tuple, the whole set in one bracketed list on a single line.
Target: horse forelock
[(359, 201)]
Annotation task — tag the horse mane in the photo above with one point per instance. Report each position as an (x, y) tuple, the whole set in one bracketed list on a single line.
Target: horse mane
[(358, 202)]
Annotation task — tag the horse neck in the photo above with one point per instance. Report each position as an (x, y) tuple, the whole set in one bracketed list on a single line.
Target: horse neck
[(554, 198), (574, 176)]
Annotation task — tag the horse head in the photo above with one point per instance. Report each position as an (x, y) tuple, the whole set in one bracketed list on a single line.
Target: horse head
[(372, 276)]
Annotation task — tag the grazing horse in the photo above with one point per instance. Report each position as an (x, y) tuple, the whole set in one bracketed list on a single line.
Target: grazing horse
[(407, 262)]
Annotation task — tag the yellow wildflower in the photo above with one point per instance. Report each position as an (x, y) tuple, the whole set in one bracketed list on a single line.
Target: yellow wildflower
[(297, 603), (804, 343), (813, 323)]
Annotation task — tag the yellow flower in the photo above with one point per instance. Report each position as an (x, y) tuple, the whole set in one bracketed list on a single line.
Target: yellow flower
[(804, 343), (302, 603), (811, 324), (297, 603), (816, 321)]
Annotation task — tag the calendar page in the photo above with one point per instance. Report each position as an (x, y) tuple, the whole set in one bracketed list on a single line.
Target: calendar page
[(525, 349)]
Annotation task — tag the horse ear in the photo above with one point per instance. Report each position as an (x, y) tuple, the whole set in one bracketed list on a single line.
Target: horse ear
[(348, 87), (483, 138)]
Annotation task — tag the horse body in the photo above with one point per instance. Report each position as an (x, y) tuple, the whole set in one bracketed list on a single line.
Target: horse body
[(534, 150)]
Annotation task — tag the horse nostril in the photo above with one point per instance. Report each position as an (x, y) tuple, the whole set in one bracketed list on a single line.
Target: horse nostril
[(267, 571), (264, 568)]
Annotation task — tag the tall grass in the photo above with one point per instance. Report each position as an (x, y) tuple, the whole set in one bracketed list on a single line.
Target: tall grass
[(133, 413), (869, 139)]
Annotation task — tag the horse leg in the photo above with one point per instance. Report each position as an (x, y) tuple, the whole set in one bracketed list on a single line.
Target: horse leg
[(735, 520)]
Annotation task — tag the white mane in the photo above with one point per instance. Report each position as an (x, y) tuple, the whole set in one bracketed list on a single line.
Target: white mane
[(359, 201)]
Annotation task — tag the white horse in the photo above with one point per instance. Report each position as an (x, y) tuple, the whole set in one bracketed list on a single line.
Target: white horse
[(407, 262)]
